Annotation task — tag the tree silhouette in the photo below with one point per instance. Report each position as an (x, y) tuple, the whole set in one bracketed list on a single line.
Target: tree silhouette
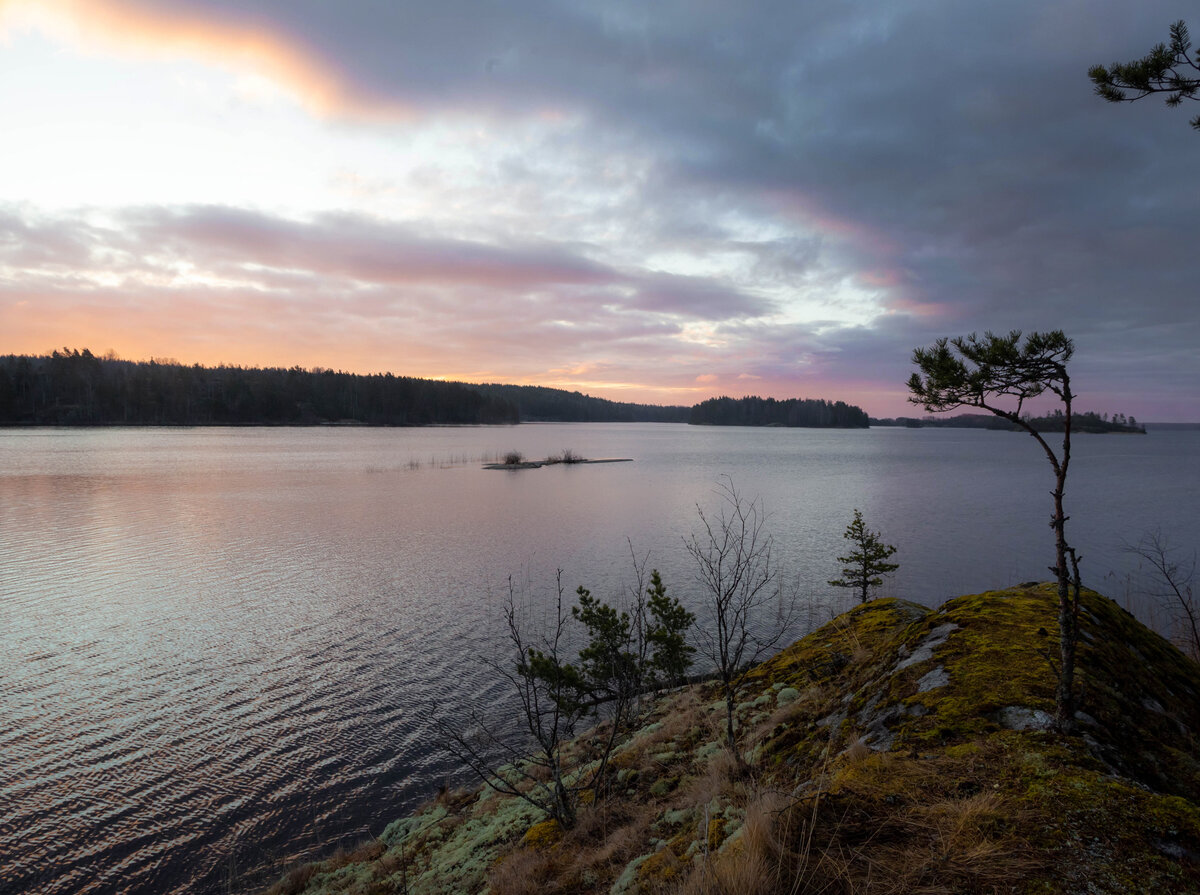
[(666, 632), (865, 565), (979, 372), (1167, 68)]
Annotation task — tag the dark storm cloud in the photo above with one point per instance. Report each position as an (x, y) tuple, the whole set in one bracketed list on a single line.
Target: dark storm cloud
[(959, 141), (952, 152)]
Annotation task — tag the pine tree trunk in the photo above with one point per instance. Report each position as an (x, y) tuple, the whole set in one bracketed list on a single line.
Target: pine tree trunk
[(1065, 694)]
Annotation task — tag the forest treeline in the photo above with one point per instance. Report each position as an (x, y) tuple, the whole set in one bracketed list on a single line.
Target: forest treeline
[(755, 411), (73, 387), (1089, 421), (540, 404)]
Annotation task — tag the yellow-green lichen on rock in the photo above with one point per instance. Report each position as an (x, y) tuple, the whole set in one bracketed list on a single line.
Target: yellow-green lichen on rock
[(895, 748)]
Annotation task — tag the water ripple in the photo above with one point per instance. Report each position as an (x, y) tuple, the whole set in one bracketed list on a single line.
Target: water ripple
[(220, 650)]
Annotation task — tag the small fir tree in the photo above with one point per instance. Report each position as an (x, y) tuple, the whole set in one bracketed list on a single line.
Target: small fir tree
[(608, 668), (866, 564), (669, 623)]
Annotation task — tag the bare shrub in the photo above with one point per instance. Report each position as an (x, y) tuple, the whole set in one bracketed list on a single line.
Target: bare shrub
[(514, 458), (1172, 588), (548, 693), (741, 593)]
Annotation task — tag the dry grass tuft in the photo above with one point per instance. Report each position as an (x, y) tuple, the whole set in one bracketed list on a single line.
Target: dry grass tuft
[(604, 839), (455, 800), (717, 780), (752, 864), (857, 751), (298, 878), (295, 880), (732, 874), (527, 871)]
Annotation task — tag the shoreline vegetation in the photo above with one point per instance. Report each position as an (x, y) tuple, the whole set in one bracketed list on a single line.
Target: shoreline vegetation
[(1089, 422), (809, 413), (895, 748), (74, 387), (550, 461), (516, 460)]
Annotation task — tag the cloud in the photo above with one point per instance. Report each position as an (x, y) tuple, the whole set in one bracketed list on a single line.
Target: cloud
[(797, 192), (230, 279)]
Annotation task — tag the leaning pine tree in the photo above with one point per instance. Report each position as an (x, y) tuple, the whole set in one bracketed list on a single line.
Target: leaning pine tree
[(999, 374), (865, 565)]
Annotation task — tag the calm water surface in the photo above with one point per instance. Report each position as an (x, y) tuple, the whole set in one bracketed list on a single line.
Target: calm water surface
[(220, 649)]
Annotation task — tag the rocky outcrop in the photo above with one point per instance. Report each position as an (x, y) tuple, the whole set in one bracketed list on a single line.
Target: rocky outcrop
[(896, 748)]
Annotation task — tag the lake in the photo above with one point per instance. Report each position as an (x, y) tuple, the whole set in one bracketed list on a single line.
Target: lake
[(221, 649)]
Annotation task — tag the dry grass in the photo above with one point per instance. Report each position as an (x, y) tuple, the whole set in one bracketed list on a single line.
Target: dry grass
[(604, 839), (857, 751), (762, 861), (718, 780), (295, 880), (686, 713), (298, 878), (528, 872), (928, 827), (867, 823), (748, 873), (913, 835), (954, 845)]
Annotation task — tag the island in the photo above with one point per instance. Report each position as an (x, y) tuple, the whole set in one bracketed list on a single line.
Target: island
[(515, 460), (1090, 422)]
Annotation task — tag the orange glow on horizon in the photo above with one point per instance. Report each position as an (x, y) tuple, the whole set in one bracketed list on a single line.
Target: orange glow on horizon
[(364, 359), (156, 33)]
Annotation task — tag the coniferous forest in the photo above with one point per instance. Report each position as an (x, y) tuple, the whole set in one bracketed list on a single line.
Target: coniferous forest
[(77, 388), (755, 411), (541, 404), (74, 387), (1088, 421)]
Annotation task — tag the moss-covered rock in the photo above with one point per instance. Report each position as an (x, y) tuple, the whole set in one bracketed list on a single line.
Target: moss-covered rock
[(896, 748)]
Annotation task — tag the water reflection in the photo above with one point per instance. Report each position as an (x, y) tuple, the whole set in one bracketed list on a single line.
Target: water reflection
[(221, 648)]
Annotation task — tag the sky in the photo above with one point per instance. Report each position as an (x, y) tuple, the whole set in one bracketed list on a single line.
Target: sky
[(655, 202)]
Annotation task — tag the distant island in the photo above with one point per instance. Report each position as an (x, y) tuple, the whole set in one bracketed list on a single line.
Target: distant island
[(754, 411), (1080, 422), (74, 387)]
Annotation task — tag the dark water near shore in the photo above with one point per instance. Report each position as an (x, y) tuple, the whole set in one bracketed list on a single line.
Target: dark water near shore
[(220, 648)]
